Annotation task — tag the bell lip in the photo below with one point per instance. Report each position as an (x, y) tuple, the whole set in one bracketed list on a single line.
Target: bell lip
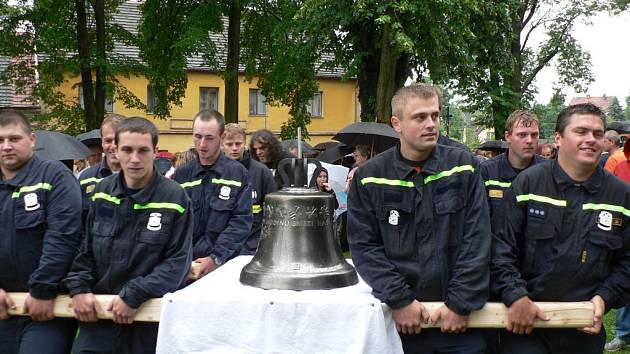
[(293, 281)]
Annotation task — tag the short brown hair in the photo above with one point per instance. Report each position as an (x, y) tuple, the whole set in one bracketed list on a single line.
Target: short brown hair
[(113, 119), (208, 115), (527, 119), (583, 108), (233, 129), (138, 125), (13, 117), (421, 90)]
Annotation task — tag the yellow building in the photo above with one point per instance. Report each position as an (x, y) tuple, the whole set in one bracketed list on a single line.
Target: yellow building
[(334, 107)]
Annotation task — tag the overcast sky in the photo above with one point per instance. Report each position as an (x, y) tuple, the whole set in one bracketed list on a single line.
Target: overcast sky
[(607, 39)]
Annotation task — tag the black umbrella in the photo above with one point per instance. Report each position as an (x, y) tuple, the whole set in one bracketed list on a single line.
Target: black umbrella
[(306, 147), (493, 145), (59, 146), (91, 138), (334, 153), (326, 145), (377, 136), (620, 127)]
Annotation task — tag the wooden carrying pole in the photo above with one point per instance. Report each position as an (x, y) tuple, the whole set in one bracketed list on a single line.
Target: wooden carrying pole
[(493, 315)]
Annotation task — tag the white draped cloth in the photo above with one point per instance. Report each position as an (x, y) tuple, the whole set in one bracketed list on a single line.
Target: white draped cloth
[(218, 314)]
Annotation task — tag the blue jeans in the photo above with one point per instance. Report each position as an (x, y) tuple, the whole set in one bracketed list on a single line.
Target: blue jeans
[(622, 323)]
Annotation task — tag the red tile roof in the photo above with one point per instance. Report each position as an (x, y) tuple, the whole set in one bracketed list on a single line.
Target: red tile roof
[(603, 102)]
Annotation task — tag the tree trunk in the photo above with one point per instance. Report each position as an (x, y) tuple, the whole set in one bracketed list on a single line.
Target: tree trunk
[(85, 68), (386, 77), (99, 101), (231, 70)]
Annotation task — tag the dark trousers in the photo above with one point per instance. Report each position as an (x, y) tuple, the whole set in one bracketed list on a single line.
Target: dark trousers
[(553, 341), (433, 341), (21, 335), (106, 337)]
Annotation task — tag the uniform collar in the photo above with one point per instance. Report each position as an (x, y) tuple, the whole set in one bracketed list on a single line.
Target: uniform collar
[(507, 171), (592, 184), (246, 160), (144, 195), (104, 170), (217, 167), (23, 174), (430, 165)]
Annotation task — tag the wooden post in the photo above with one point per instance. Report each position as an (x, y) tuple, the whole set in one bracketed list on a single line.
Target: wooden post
[(493, 315)]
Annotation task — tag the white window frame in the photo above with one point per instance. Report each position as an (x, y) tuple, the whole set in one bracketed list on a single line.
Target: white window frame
[(205, 98), (109, 101), (314, 103), (259, 107)]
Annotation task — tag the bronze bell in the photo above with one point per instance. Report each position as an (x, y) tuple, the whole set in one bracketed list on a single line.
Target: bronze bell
[(297, 248)]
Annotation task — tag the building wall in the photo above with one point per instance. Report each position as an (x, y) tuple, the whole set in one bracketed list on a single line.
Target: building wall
[(339, 101)]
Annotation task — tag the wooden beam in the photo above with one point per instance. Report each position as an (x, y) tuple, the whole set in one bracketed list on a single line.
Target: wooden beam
[(493, 315)]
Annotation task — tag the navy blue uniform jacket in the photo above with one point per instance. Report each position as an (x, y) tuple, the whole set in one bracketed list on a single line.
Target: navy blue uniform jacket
[(423, 236), (40, 214), (138, 246)]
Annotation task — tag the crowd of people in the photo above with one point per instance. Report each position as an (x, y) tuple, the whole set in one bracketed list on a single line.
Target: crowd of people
[(426, 221)]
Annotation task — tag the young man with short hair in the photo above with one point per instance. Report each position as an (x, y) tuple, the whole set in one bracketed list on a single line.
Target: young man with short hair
[(521, 134), (419, 230), (221, 193), (40, 214), (108, 165), (137, 246), (260, 176), (566, 237)]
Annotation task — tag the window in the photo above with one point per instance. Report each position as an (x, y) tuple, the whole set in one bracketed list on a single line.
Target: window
[(109, 101), (208, 98), (150, 100), (314, 106), (257, 103)]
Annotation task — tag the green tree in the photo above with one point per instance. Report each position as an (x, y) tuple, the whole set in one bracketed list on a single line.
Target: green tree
[(626, 110), (548, 114), (615, 112), (60, 34), (512, 61), (170, 32)]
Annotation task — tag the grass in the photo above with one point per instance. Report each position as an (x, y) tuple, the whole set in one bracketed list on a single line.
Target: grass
[(609, 322)]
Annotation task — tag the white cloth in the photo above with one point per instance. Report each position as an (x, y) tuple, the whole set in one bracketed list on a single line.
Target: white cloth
[(218, 314)]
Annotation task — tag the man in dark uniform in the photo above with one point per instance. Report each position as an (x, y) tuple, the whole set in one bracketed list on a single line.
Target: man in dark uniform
[(262, 181), (221, 193), (109, 165), (40, 214), (521, 134), (419, 230), (566, 237), (137, 245)]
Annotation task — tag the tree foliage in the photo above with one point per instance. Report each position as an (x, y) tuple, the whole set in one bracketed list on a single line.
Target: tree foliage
[(548, 113), (170, 32), (626, 110), (47, 31), (615, 112), (512, 58)]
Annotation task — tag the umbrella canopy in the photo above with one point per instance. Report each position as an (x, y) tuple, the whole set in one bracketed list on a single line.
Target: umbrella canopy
[(306, 147), (493, 145), (620, 127), (59, 146), (91, 138), (377, 136), (326, 145), (334, 153)]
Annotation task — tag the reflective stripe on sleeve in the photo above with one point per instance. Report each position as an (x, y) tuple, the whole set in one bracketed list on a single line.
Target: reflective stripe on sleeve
[(26, 189), (389, 182), (609, 207), (456, 169), (90, 180), (492, 182), (191, 183), (227, 182), (160, 205), (540, 198), (256, 209), (105, 196)]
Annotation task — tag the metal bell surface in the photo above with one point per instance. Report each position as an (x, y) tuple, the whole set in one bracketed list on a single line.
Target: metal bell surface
[(297, 248)]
